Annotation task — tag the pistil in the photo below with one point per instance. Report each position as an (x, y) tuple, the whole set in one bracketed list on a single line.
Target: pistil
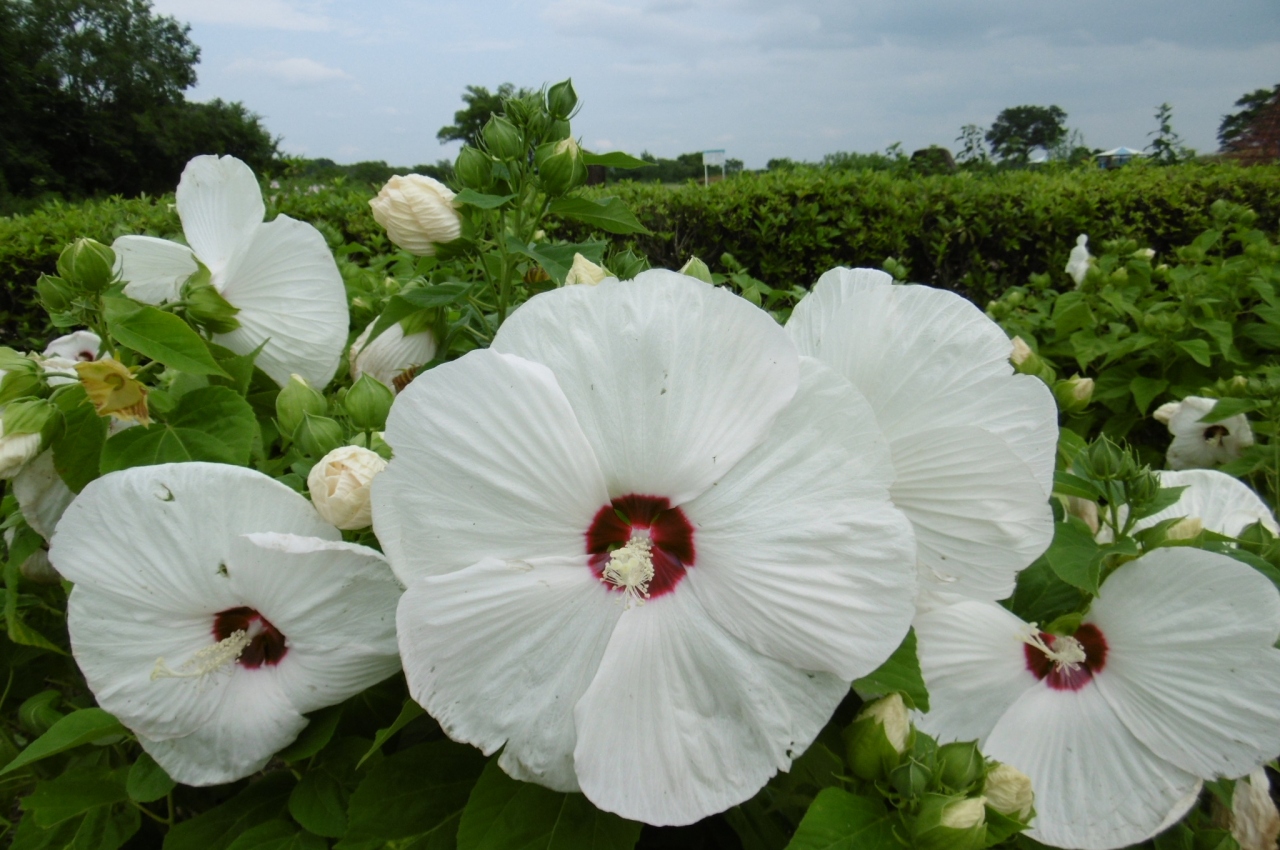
[(630, 569), (206, 661)]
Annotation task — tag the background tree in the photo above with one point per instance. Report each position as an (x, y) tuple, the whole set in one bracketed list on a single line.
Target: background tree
[(1018, 129), (481, 104), (1233, 126), (972, 149), (1167, 148)]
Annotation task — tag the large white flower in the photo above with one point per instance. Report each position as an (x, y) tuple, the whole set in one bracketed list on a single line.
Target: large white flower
[(973, 444), (1202, 445), (1220, 502), (1173, 677), (279, 274), (213, 608), (646, 545)]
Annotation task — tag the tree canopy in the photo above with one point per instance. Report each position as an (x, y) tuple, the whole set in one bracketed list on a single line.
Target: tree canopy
[(1236, 124), (481, 104), (1018, 129)]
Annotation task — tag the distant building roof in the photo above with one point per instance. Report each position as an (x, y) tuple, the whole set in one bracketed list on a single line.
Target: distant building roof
[(1121, 151)]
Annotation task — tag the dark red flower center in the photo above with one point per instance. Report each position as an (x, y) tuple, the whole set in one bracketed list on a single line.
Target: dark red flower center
[(266, 644), (1068, 677), (669, 532)]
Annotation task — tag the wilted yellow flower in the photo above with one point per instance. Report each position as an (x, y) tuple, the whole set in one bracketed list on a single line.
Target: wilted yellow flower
[(113, 390)]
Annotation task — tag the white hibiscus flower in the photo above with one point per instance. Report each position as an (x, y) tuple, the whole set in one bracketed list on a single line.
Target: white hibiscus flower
[(1172, 678), (973, 443), (1201, 445), (1078, 261), (61, 356), (1220, 502), (279, 274), (646, 545), (213, 608)]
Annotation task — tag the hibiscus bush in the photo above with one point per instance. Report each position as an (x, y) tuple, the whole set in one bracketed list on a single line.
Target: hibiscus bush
[(493, 540)]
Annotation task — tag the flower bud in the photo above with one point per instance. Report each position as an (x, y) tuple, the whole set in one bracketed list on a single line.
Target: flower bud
[(54, 293), (585, 272), (393, 357), (1255, 823), (960, 765), (878, 736), (1187, 528), (558, 130), (16, 450), (560, 166), (114, 391), (950, 823), (1147, 254), (1083, 509), (294, 401), (1105, 459), (503, 138), (1021, 352), (911, 778), (368, 402), (339, 486), (1008, 791), (208, 309), (561, 100), (87, 265), (1073, 394), (474, 168), (318, 435), (417, 213), (695, 268)]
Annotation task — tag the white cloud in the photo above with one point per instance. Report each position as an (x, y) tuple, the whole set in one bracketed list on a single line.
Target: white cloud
[(295, 72), (248, 14)]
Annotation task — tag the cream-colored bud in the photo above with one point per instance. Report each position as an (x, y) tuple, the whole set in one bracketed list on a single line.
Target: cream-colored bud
[(16, 450), (1185, 528), (1147, 254), (965, 814), (417, 213), (339, 486), (393, 356), (569, 146), (1255, 823), (584, 271), (1008, 791), (892, 714), (1081, 389), (1021, 351), (1082, 508)]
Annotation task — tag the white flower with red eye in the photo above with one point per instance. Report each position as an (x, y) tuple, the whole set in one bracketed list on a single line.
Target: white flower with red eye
[(279, 275), (973, 443), (1222, 503), (213, 608), (646, 545), (1172, 678), (1202, 445)]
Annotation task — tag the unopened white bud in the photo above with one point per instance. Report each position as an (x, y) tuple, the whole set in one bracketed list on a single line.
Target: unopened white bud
[(964, 814), (893, 717), (1008, 791), (1081, 508), (1255, 823), (1021, 351), (584, 271), (16, 450), (417, 213), (340, 486)]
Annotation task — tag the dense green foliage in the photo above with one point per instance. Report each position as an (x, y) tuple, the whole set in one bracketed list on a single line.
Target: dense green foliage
[(1236, 124)]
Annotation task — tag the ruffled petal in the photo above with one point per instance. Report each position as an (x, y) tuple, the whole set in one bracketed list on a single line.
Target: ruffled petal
[(489, 462), (1192, 670), (801, 555), (253, 720), (672, 380), (1096, 785), (1222, 503), (501, 652), (334, 602), (153, 269), (220, 204), (979, 513), (42, 494), (391, 355), (808, 323), (974, 665), (683, 721), (290, 296)]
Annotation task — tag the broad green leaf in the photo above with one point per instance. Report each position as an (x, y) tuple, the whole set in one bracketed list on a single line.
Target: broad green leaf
[(418, 792), (277, 835), (1067, 484), (608, 214), (319, 803), (75, 792), (159, 336), (557, 259), (148, 780), (1197, 350), (503, 814), (614, 159), (1073, 555), (315, 736), (76, 450), (473, 198), (1225, 408), (1071, 313), (79, 727), (31, 836), (409, 712), (239, 367), (210, 424), (901, 673), (838, 820), (106, 827), (439, 295), (1041, 597), (1145, 391), (25, 542), (1166, 497), (218, 827)]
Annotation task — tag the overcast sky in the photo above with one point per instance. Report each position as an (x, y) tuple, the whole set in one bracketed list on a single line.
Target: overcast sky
[(760, 78)]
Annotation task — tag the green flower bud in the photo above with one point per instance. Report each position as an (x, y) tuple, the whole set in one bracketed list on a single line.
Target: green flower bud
[(697, 269), (368, 402), (55, 296), (911, 778), (503, 139), (1008, 791), (1073, 394), (38, 713), (208, 308), (960, 765), (474, 168), (561, 99), (318, 435), (296, 400), (877, 738), (1105, 459), (558, 130), (950, 823), (87, 265), (1141, 487), (560, 166)]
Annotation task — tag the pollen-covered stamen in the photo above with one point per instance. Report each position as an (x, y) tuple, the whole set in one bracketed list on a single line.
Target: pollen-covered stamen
[(1066, 651), (630, 569), (1065, 662), (206, 661)]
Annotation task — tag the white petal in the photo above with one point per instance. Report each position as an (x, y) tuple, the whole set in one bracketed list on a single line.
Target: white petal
[(81, 346), (489, 461), (391, 354), (41, 493), (290, 295), (974, 665), (1191, 669), (800, 554), (979, 513), (153, 269), (1223, 504), (672, 380), (252, 721), (1096, 785), (158, 534), (220, 204), (334, 602), (808, 323), (501, 652), (683, 721)]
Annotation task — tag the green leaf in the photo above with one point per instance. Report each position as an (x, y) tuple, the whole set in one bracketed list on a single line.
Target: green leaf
[(1197, 350), (25, 543), (319, 803), (277, 835), (473, 198), (106, 828), (409, 712), (1067, 484), (1071, 313), (314, 736), (148, 780), (159, 336), (1073, 555), (79, 727), (418, 792), (901, 674), (212, 424), (614, 159), (608, 214), (504, 814), (1041, 597), (239, 367), (440, 295), (77, 448), (74, 793), (1145, 391), (1166, 497), (557, 259), (838, 820), (217, 828), (1225, 408)]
